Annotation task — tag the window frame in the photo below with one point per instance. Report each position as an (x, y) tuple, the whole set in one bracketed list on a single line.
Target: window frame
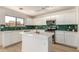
[(16, 19)]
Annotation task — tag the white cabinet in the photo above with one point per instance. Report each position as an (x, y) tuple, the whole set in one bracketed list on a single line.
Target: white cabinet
[(67, 18), (77, 40), (59, 19), (10, 37), (59, 36), (0, 38), (40, 21), (70, 38)]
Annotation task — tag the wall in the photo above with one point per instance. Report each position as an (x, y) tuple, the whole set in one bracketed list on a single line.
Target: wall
[(8, 12)]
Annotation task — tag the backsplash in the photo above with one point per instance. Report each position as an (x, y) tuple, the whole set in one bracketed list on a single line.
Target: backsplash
[(66, 27)]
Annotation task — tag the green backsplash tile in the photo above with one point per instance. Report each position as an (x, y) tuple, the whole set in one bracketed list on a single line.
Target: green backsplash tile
[(68, 27), (30, 27), (65, 27)]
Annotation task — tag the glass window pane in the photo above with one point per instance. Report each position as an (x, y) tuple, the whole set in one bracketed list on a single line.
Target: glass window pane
[(10, 21), (20, 21)]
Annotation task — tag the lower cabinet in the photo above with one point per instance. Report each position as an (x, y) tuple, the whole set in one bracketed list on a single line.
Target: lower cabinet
[(59, 36), (10, 37), (67, 38), (70, 38)]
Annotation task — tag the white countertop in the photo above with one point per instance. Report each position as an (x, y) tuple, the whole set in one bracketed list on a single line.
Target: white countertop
[(47, 34)]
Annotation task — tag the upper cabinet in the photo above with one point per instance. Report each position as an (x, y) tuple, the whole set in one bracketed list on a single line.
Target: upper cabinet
[(66, 18), (59, 19), (40, 21), (28, 21), (70, 18)]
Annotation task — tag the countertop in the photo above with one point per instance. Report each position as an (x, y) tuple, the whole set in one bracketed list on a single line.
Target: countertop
[(47, 34)]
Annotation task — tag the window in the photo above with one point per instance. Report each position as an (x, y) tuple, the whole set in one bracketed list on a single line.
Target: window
[(10, 21), (19, 21), (13, 21)]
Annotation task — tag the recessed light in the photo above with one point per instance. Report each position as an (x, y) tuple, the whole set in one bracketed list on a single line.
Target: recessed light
[(20, 8), (49, 8)]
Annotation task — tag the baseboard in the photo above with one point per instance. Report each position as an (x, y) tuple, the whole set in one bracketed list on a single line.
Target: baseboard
[(77, 48), (65, 45), (12, 44)]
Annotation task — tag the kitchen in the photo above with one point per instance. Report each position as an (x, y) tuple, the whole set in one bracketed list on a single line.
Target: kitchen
[(39, 22)]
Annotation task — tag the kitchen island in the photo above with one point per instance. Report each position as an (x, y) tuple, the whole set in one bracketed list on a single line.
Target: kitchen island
[(36, 42)]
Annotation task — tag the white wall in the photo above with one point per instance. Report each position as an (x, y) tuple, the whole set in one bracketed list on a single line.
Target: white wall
[(8, 12)]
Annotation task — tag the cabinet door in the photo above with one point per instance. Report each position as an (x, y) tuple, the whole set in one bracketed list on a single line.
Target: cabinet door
[(69, 18), (37, 43), (59, 36), (66, 18), (28, 43), (59, 19), (70, 38)]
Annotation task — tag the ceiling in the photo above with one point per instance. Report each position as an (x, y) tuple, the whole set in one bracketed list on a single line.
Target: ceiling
[(37, 10)]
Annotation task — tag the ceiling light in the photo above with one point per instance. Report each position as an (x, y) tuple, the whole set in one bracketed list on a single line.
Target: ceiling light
[(20, 8), (42, 8), (49, 8)]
